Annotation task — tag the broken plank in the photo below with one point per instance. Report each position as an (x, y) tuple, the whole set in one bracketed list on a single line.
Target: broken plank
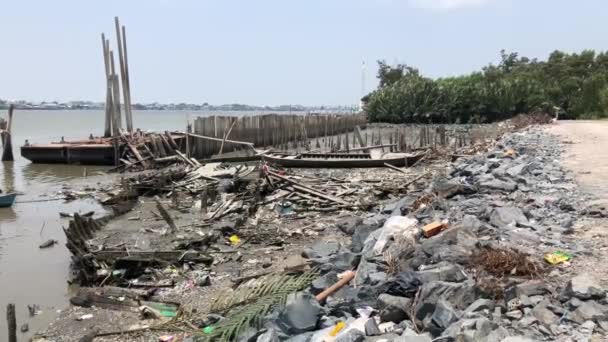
[(394, 168), (165, 214), (303, 188)]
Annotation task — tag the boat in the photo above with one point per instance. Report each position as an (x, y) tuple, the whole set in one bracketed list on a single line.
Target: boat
[(342, 160), (7, 200)]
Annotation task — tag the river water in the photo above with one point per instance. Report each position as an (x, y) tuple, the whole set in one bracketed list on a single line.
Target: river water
[(29, 275)]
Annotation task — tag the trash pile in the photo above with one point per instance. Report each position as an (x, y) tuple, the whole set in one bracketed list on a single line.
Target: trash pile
[(471, 258)]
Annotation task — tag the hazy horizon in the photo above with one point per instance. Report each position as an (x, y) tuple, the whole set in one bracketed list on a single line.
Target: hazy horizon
[(272, 52)]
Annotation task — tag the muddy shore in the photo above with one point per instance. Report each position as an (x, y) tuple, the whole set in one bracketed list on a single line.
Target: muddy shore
[(492, 200)]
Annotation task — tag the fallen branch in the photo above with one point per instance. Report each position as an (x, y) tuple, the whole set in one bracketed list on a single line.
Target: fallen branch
[(348, 276), (165, 214)]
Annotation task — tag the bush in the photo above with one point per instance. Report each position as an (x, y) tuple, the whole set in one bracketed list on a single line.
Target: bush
[(576, 85)]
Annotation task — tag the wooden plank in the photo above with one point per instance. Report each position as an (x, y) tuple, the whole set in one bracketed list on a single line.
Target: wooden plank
[(248, 144), (298, 186), (394, 167), (165, 214)]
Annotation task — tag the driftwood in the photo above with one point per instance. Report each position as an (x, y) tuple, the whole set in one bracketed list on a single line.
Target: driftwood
[(303, 188), (165, 214), (348, 276)]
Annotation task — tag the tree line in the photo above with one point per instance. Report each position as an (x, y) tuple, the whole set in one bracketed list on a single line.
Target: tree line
[(573, 85)]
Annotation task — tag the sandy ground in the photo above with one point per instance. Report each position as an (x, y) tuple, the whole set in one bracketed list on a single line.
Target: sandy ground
[(586, 154)]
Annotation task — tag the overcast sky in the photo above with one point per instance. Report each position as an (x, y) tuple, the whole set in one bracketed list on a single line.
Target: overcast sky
[(268, 52)]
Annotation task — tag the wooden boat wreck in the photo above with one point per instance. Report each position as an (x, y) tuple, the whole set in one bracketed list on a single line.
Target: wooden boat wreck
[(342, 160), (97, 151)]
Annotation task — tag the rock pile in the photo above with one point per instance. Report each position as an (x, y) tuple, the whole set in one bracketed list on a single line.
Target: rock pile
[(510, 206)]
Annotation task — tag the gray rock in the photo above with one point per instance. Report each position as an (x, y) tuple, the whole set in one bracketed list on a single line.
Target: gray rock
[(301, 314), (517, 339), (204, 281), (497, 184), (544, 315), (589, 311), (443, 316), (324, 281), (269, 336), (584, 286), (443, 271), (344, 261), (527, 321), (603, 325), (483, 327), (480, 305), (507, 215), (515, 315), (450, 188), (371, 327), (349, 224), (459, 295), (321, 249), (377, 278), (414, 338), (517, 170), (529, 288), (306, 337), (498, 334), (353, 335), (393, 308)]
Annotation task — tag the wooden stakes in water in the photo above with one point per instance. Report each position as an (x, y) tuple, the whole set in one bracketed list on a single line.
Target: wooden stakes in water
[(7, 144), (11, 322)]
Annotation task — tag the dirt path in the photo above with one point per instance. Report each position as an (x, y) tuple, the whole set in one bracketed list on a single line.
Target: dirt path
[(586, 154)]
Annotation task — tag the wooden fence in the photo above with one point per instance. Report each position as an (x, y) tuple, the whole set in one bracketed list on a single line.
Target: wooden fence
[(276, 130)]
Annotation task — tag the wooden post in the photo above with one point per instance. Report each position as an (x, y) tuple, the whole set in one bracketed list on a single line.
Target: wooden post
[(121, 62), (188, 131), (127, 78), (204, 196), (165, 214), (115, 96), (7, 144), (11, 322), (107, 132)]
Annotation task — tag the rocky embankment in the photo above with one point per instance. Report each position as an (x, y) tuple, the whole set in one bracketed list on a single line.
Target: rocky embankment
[(482, 278)]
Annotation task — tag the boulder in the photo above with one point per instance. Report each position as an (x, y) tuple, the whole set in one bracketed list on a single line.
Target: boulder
[(344, 261), (589, 311), (507, 215), (300, 315), (544, 316), (322, 249), (443, 316), (404, 284), (584, 286), (443, 271), (450, 188), (324, 281), (480, 305), (459, 295), (393, 308), (348, 225)]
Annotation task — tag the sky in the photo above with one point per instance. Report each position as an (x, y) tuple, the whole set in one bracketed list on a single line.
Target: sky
[(271, 52)]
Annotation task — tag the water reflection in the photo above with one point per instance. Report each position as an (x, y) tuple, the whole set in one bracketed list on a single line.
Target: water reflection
[(8, 181), (57, 173)]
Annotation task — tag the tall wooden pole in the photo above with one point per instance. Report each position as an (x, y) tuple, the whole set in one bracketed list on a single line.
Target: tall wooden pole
[(121, 63), (115, 96), (108, 121), (127, 83)]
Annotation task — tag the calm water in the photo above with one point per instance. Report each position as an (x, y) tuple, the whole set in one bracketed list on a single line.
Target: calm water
[(29, 275)]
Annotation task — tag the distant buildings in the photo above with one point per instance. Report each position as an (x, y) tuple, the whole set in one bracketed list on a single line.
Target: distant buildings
[(85, 105)]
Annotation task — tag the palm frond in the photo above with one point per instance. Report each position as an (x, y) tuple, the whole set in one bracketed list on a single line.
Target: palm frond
[(249, 303)]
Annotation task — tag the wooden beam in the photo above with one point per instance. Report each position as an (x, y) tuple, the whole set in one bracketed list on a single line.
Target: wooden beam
[(248, 144), (165, 214), (303, 188)]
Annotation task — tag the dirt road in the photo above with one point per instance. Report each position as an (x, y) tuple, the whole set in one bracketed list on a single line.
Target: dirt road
[(586, 154)]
